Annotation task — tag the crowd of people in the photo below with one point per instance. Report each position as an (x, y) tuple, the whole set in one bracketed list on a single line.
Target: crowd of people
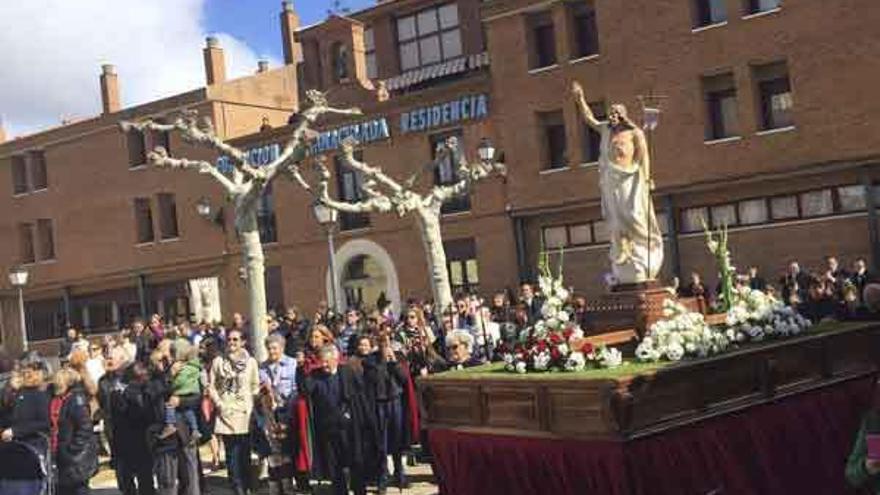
[(334, 400), (828, 292)]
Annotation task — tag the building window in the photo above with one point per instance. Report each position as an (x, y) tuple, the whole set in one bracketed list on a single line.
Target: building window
[(543, 42), (580, 234), (555, 237), (45, 239), (586, 35), (663, 222), (167, 216), (784, 207), (160, 139), (266, 217), (349, 184), (27, 253), (753, 211), (758, 6), (370, 53), (429, 37), (590, 139), (340, 62), (693, 219), (708, 12), (817, 203), (552, 126), (723, 215), (137, 149), (774, 95), (274, 283), (721, 109), (45, 319), (19, 175), (143, 217), (461, 259), (851, 198), (39, 178), (446, 173)]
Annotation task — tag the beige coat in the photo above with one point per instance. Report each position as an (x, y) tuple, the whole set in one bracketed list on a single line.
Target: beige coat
[(233, 394)]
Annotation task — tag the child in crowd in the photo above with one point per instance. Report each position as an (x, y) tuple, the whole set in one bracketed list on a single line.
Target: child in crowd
[(185, 382)]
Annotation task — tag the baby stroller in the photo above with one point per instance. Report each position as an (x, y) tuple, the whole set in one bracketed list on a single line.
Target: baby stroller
[(26, 469)]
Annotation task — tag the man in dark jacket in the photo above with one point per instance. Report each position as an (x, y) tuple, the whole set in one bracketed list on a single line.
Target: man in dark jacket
[(110, 382), (131, 417), (342, 418), (384, 381), (175, 458)]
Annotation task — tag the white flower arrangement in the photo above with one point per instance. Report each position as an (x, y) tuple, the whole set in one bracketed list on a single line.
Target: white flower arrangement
[(555, 342), (683, 334)]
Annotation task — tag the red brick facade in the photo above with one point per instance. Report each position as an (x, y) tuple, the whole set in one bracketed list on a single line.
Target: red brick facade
[(827, 56)]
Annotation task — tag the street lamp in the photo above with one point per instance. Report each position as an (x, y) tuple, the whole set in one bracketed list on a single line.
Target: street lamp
[(486, 150), (206, 211), (326, 217), (18, 277)]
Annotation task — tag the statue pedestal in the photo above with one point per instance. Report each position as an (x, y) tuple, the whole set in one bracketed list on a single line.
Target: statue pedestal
[(629, 307)]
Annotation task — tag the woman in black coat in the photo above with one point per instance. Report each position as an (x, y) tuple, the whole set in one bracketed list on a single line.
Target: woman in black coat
[(72, 440), (28, 408)]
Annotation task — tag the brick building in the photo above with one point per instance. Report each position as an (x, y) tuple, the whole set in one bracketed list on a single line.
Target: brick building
[(765, 126)]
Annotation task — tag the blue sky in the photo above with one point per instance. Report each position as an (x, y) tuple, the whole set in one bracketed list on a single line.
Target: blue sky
[(256, 21)]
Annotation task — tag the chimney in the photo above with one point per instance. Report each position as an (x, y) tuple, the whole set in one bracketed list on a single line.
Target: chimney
[(215, 65), (262, 66), (2, 132), (109, 89), (289, 26)]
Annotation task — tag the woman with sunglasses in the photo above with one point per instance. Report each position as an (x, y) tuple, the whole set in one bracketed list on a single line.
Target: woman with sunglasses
[(234, 384)]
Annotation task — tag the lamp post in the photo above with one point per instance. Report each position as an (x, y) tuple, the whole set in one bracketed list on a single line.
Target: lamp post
[(486, 150), (18, 277), (326, 218)]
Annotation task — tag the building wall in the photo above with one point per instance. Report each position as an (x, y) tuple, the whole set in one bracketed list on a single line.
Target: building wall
[(645, 46)]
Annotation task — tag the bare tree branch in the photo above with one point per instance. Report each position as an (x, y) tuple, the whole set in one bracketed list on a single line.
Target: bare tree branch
[(197, 131), (303, 134), (374, 203), (468, 174), (159, 158)]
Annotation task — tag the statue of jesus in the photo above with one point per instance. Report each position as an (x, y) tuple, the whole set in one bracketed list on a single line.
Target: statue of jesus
[(625, 182)]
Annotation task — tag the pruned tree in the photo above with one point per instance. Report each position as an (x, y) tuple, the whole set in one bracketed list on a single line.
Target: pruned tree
[(384, 194), (244, 186)]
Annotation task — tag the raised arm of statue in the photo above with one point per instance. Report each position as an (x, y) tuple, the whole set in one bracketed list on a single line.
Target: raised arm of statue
[(577, 94)]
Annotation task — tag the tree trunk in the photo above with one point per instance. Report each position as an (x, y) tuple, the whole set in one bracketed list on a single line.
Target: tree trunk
[(432, 239), (252, 256)]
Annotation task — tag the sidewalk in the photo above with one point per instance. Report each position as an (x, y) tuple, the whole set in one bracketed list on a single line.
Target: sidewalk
[(104, 483)]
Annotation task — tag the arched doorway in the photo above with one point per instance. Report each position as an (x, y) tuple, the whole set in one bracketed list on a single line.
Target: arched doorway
[(365, 273)]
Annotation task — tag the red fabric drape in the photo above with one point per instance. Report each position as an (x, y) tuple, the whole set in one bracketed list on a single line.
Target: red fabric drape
[(795, 445)]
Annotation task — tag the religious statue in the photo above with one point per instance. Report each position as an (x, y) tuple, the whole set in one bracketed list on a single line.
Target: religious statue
[(625, 183)]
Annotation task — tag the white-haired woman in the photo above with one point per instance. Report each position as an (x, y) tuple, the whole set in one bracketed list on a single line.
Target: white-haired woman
[(459, 349)]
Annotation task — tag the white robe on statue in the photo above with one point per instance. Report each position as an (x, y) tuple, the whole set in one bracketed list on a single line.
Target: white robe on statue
[(636, 242)]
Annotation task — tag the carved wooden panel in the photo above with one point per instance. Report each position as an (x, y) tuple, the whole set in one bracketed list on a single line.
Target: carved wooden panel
[(576, 411), (511, 406)]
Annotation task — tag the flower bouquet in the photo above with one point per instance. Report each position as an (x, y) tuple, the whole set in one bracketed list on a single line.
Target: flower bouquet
[(555, 342)]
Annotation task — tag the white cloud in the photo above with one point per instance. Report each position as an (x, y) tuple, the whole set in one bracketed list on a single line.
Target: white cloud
[(52, 51)]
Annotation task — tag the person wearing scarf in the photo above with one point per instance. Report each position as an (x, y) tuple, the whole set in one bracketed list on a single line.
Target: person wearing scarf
[(233, 386)]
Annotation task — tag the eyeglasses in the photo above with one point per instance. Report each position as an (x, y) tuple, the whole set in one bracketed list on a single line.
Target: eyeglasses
[(234, 339), (454, 347)]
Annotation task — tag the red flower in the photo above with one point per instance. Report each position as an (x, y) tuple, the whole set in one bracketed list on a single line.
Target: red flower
[(587, 348), (555, 354), (567, 333), (542, 345), (555, 338)]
